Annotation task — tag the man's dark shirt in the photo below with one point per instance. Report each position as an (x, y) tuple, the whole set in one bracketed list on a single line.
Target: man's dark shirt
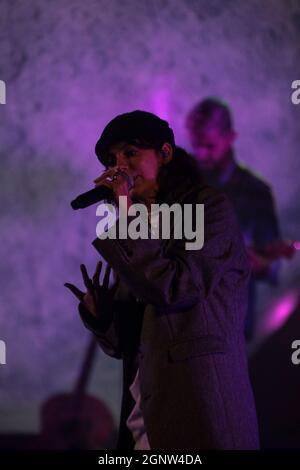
[(254, 205)]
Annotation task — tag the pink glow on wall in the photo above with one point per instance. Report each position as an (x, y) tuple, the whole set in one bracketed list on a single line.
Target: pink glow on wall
[(279, 312), (161, 103)]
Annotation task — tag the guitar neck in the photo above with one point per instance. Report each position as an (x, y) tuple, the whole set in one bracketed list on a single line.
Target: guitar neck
[(86, 367)]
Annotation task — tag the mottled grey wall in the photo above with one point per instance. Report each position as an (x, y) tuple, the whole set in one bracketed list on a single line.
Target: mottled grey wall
[(69, 67)]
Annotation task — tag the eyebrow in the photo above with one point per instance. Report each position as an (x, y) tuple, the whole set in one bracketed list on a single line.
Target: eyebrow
[(122, 147)]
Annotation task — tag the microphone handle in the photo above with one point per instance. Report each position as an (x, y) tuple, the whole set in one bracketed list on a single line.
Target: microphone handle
[(98, 194), (91, 197)]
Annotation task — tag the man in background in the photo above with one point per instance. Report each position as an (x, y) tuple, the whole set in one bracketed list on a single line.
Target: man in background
[(212, 135)]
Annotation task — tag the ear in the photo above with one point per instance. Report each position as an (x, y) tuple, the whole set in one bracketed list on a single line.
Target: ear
[(166, 153)]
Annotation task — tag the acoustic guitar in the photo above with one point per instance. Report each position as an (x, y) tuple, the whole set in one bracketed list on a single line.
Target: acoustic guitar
[(76, 420)]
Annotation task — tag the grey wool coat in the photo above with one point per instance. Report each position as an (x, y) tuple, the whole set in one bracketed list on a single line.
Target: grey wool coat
[(179, 317)]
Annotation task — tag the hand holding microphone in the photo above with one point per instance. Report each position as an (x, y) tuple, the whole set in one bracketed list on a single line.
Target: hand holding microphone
[(110, 185), (119, 184)]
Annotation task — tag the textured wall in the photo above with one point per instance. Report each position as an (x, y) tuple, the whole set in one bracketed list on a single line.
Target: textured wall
[(69, 67)]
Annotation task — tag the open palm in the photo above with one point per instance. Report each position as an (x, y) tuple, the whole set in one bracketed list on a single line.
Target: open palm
[(98, 299)]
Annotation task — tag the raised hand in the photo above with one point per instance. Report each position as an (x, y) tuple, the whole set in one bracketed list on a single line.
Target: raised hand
[(98, 299)]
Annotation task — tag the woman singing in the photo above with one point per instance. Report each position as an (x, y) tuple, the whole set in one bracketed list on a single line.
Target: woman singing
[(174, 316)]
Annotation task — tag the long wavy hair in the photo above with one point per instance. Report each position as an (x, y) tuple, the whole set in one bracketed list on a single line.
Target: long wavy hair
[(180, 174)]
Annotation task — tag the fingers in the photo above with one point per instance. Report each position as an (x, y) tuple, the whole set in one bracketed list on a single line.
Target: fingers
[(105, 283), (106, 276), (112, 173), (116, 283), (77, 292), (90, 284), (96, 275), (107, 183), (87, 281), (106, 174)]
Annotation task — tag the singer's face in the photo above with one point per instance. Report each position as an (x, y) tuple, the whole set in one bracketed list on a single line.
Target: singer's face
[(141, 164)]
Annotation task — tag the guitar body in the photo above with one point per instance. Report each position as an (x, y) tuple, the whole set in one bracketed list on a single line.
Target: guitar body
[(76, 420), (68, 423)]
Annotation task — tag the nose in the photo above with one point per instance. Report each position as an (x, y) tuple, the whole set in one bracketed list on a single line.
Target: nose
[(121, 159)]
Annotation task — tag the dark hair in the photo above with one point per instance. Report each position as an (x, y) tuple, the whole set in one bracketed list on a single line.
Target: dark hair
[(181, 173), (146, 130), (210, 112), (141, 128)]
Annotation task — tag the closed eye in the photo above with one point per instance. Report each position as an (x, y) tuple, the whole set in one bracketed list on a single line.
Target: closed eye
[(131, 153), (128, 152)]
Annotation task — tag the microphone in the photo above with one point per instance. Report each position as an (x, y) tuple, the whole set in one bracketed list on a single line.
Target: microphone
[(97, 194)]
